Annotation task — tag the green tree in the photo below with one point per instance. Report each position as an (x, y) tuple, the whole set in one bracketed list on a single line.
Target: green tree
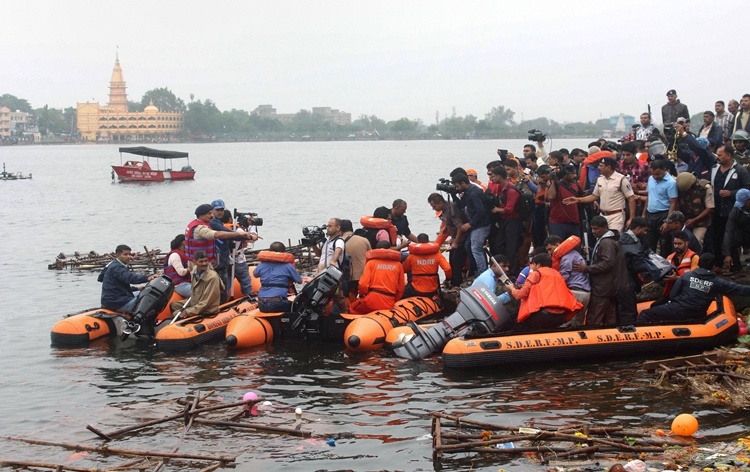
[(202, 118), (500, 118), (163, 99), (15, 103), (51, 120), (403, 127)]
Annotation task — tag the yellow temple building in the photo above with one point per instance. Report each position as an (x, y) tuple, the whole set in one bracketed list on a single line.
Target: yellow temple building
[(113, 122)]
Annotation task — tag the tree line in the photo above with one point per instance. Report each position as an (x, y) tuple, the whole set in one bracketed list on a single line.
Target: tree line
[(203, 120)]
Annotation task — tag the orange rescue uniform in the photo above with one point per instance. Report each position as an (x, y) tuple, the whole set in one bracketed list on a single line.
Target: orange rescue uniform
[(545, 289), (382, 282), (424, 269)]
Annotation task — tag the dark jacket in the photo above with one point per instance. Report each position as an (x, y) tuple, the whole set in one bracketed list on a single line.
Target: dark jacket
[(223, 246), (670, 112), (635, 258), (737, 178), (702, 161), (116, 279), (715, 135), (695, 290), (736, 123), (608, 270), (738, 229), (473, 204)]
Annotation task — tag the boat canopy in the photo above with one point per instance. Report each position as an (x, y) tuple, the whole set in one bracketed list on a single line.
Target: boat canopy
[(149, 152)]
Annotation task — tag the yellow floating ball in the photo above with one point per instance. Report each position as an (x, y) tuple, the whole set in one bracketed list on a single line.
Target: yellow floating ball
[(685, 425)]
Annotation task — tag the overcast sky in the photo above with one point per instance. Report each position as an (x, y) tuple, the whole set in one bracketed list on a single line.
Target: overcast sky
[(566, 60)]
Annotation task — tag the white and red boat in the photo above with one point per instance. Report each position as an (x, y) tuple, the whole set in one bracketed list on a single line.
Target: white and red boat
[(141, 171)]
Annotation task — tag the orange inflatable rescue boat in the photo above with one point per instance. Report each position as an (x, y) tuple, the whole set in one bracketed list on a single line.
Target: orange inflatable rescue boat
[(510, 348), (368, 332)]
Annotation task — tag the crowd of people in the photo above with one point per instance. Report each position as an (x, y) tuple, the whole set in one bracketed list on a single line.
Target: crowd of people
[(670, 204)]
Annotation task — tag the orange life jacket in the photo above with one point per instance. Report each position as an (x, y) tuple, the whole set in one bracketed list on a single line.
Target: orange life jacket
[(383, 274), (550, 292), (372, 225), (683, 265), (273, 256), (423, 262), (565, 247)]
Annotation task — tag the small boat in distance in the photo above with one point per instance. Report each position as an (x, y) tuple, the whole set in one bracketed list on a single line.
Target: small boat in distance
[(141, 171), (12, 176)]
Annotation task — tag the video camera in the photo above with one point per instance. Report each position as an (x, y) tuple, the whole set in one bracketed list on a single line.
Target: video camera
[(246, 219), (445, 185), (313, 235), (537, 136)]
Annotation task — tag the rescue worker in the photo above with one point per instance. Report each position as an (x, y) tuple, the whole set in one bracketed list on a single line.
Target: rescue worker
[(275, 273), (692, 294), (176, 266), (205, 290), (741, 144), (546, 301), (382, 282), (421, 268), (116, 279), (683, 259), (608, 274), (577, 282)]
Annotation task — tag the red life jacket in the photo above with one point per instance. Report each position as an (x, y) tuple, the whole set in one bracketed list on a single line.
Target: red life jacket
[(170, 271), (570, 244), (550, 292), (193, 245)]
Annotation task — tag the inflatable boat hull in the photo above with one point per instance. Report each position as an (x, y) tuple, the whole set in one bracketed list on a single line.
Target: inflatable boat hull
[(719, 328)]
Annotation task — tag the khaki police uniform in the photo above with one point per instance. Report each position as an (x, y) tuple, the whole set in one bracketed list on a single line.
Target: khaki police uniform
[(613, 193)]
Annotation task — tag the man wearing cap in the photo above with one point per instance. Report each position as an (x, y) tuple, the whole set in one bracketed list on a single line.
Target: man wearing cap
[(200, 237), (696, 201), (474, 180), (614, 192), (711, 130), (223, 249), (737, 234), (673, 109)]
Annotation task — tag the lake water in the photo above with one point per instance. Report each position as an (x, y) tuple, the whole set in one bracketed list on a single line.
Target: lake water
[(376, 406)]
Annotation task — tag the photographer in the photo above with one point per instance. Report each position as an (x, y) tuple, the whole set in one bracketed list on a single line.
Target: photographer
[(478, 226), (453, 219), (224, 248)]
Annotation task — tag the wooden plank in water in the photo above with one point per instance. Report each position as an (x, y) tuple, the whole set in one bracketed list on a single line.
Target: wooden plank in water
[(651, 366)]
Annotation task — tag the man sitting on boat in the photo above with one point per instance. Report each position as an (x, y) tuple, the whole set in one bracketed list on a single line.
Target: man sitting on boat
[(382, 284), (692, 294), (205, 290), (116, 279), (275, 271), (421, 266), (546, 301)]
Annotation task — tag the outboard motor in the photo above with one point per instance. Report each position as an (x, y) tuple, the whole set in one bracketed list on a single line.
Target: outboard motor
[(313, 298), (150, 302), (479, 310)]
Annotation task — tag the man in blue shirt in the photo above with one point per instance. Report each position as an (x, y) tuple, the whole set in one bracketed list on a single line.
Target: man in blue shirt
[(274, 282), (116, 279), (660, 202), (223, 251), (472, 203)]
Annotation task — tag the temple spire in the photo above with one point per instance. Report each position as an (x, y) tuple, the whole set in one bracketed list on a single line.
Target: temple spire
[(118, 97)]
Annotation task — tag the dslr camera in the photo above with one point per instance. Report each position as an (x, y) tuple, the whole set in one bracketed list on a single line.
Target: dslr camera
[(246, 219), (445, 185), (313, 235), (537, 136)]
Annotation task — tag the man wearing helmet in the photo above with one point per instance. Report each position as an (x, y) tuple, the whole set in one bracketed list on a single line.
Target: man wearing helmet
[(741, 149)]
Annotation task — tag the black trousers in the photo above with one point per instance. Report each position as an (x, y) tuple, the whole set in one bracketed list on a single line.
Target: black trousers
[(655, 220), (507, 240)]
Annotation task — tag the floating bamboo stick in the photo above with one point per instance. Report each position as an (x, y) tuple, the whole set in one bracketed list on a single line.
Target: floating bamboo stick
[(258, 427), (123, 452)]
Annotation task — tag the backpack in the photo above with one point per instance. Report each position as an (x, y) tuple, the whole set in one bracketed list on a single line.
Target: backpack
[(345, 267), (526, 203)]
